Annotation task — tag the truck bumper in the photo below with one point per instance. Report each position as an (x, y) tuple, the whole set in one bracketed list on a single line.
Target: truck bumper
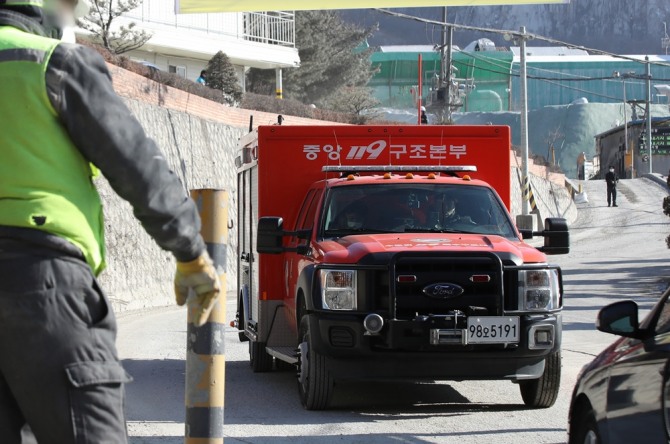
[(403, 351)]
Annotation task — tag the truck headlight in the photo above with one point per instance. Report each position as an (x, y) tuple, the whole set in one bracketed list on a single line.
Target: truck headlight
[(539, 290), (338, 289)]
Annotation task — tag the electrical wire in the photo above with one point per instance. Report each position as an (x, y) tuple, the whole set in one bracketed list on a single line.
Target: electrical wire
[(517, 34), (575, 78)]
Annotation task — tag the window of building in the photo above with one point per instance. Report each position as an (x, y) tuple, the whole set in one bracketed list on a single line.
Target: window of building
[(179, 70)]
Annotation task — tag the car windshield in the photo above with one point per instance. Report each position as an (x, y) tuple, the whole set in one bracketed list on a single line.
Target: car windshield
[(414, 208)]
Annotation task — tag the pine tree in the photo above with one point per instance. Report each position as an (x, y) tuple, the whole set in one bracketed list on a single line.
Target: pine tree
[(100, 22), (329, 59), (221, 75)]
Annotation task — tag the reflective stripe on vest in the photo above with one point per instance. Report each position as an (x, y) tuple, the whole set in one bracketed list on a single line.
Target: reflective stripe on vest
[(45, 182), (22, 55)]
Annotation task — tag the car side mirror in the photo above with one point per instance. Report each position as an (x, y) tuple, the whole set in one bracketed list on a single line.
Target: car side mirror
[(270, 235), (620, 318)]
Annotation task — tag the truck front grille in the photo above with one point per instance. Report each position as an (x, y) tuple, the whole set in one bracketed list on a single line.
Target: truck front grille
[(412, 274)]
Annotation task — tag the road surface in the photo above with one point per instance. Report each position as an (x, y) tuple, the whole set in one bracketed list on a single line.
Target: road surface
[(617, 253)]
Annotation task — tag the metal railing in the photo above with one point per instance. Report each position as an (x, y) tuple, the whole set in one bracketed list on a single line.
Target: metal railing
[(269, 27), (272, 27)]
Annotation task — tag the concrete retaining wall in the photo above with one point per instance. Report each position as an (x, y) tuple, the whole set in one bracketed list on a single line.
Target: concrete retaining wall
[(201, 153)]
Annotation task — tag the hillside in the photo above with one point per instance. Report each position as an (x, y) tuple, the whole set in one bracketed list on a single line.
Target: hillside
[(619, 26)]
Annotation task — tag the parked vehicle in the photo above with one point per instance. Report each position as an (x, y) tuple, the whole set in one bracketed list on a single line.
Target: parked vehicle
[(623, 395), (371, 252)]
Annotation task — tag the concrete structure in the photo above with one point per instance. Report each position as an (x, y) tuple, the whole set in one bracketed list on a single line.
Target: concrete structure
[(184, 43), (611, 148), (489, 76)]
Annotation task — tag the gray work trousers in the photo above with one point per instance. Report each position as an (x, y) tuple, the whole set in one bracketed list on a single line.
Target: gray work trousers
[(59, 370)]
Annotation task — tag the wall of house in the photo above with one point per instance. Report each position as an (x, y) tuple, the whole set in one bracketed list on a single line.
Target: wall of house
[(192, 66)]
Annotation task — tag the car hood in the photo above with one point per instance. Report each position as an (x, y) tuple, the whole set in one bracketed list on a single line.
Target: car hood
[(351, 249)]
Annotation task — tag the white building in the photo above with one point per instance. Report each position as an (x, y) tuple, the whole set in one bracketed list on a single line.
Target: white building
[(184, 43)]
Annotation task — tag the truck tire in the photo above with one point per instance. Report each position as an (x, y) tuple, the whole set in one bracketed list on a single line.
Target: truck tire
[(541, 393), (315, 385), (259, 359), (241, 316)]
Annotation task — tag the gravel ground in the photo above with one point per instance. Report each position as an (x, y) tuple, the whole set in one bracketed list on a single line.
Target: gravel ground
[(617, 253)]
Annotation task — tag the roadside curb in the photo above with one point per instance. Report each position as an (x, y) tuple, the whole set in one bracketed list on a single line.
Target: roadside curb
[(657, 178)]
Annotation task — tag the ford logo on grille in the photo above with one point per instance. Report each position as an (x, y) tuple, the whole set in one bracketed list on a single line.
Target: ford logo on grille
[(443, 290)]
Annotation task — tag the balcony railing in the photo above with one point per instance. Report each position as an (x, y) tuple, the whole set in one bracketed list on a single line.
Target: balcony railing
[(270, 27)]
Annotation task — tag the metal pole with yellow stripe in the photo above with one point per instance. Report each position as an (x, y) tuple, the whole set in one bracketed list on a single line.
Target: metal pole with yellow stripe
[(205, 351), (528, 195)]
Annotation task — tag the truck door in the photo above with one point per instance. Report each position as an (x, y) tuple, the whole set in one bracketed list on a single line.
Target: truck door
[(296, 262)]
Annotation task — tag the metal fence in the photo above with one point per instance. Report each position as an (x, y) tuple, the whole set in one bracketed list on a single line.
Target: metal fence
[(269, 27)]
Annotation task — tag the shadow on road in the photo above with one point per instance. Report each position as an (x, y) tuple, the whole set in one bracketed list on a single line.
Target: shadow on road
[(157, 395), (157, 392), (406, 438), (273, 399)]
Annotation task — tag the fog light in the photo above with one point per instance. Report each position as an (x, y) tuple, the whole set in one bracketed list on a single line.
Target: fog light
[(373, 323), (541, 337)]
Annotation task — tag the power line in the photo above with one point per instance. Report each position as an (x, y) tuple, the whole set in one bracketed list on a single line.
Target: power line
[(514, 33), (575, 78), (547, 80)]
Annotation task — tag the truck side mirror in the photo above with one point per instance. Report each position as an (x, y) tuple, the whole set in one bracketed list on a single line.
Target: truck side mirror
[(556, 236), (270, 235)]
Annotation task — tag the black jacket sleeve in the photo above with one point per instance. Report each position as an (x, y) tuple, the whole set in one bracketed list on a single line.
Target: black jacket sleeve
[(103, 129)]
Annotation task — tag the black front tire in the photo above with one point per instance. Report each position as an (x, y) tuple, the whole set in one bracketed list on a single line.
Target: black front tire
[(585, 430), (542, 393), (316, 385), (240, 317), (259, 359)]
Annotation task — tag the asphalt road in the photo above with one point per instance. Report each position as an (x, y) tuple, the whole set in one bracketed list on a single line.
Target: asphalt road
[(617, 253)]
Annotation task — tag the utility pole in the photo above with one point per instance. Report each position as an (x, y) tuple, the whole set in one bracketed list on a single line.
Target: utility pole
[(649, 144), (525, 186), (450, 45), (446, 61)]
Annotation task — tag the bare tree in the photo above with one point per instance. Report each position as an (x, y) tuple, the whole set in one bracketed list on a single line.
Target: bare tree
[(356, 101), (100, 22)]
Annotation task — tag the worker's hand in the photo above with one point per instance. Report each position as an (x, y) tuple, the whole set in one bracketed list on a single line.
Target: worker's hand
[(200, 276)]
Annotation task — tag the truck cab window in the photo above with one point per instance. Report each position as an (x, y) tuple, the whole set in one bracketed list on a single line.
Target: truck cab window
[(308, 210)]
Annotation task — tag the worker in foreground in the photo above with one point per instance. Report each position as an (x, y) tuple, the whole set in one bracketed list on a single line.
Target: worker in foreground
[(60, 121)]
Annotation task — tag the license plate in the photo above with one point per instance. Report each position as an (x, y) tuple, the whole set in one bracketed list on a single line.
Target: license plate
[(493, 329)]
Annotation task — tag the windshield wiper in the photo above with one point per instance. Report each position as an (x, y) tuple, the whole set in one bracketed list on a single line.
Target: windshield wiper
[(352, 231), (439, 230)]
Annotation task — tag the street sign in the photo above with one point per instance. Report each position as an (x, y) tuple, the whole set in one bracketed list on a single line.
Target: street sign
[(660, 141), (645, 158), (199, 6)]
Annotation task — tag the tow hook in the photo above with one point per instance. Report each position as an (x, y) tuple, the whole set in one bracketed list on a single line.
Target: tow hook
[(303, 362)]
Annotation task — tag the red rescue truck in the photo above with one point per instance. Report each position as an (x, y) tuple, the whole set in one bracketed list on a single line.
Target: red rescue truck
[(376, 252)]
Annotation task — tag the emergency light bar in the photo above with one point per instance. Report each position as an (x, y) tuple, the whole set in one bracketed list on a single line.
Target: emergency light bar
[(399, 169)]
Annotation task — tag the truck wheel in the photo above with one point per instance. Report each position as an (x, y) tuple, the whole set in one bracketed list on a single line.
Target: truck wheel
[(315, 384), (259, 359), (241, 316), (542, 393), (585, 430)]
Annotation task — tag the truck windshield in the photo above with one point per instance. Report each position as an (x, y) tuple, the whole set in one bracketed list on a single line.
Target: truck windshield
[(414, 208)]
